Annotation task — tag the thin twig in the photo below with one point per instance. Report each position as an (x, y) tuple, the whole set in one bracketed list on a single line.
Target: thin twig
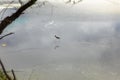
[(14, 76), (6, 35), (4, 70)]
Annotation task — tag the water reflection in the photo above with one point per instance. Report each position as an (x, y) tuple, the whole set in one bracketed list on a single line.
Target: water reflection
[(88, 48), (84, 43)]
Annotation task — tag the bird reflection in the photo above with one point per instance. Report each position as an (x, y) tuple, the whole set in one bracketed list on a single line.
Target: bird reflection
[(57, 44)]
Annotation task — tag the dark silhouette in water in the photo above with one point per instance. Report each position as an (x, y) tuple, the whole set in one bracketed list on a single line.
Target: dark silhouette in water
[(57, 37)]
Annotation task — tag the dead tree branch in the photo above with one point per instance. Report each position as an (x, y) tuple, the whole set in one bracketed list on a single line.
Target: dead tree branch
[(9, 19), (14, 76), (6, 35), (4, 71)]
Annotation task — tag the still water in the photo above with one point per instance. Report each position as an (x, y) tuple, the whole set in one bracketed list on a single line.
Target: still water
[(88, 48), (83, 52)]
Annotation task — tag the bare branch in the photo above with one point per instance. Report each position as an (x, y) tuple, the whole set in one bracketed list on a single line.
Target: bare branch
[(9, 19), (6, 35), (14, 76), (5, 9), (4, 70)]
